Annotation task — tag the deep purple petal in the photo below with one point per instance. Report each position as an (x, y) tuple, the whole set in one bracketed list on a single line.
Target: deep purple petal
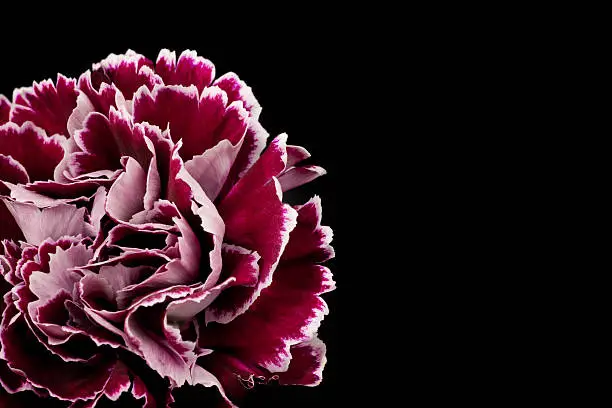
[(28, 144), (285, 314), (307, 364), (63, 380), (12, 171)]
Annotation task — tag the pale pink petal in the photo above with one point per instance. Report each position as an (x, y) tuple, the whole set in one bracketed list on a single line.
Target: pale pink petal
[(125, 197), (45, 285), (53, 222), (211, 168), (297, 176)]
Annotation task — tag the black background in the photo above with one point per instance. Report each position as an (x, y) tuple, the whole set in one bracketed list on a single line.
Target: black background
[(300, 81)]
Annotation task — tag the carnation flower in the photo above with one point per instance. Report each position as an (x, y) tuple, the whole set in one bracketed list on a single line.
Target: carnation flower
[(144, 242)]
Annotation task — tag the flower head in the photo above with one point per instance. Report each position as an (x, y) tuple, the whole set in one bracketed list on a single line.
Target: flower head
[(144, 242)]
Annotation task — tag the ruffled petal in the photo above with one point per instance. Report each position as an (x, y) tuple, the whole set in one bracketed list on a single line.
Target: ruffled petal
[(200, 121), (46, 285), (262, 223), (46, 104), (12, 171), (53, 222), (63, 380), (125, 197), (307, 364), (30, 146), (100, 99), (127, 72), (189, 70), (142, 327), (211, 168), (309, 241), (287, 313)]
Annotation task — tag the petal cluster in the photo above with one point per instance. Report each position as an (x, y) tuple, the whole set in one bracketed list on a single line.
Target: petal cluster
[(144, 242)]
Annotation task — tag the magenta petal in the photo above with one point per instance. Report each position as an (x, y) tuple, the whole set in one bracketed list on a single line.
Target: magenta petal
[(125, 197), (269, 165), (200, 121), (46, 105), (101, 99), (5, 109), (28, 144), (118, 382), (241, 265), (309, 241), (12, 171), (237, 90), (53, 222), (289, 310), (284, 315), (259, 221), (307, 363), (173, 107), (190, 69), (168, 107), (96, 138), (254, 143), (127, 71)]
